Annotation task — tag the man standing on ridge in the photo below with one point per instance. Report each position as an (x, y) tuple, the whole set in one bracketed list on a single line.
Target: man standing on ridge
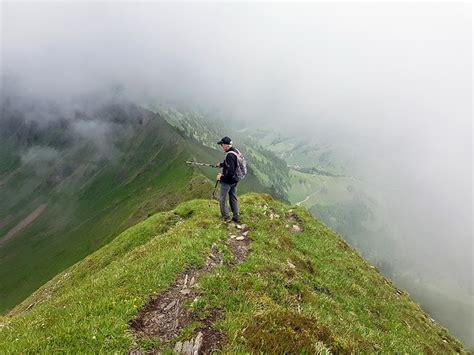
[(228, 181)]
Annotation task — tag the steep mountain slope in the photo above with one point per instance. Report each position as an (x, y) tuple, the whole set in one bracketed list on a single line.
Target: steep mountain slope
[(324, 158), (70, 182), (365, 210), (349, 206), (286, 283), (270, 170), (321, 180)]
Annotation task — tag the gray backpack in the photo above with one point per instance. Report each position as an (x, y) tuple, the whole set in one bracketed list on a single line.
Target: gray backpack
[(241, 169)]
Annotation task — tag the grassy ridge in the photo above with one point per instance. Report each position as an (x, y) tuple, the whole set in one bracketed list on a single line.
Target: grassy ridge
[(89, 207), (307, 291), (265, 167), (96, 201), (85, 211)]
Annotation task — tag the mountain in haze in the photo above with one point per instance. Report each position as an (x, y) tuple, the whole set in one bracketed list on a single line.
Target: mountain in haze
[(100, 215), (263, 163), (74, 175), (325, 179)]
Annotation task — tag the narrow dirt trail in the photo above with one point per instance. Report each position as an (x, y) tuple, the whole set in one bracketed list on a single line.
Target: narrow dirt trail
[(166, 315)]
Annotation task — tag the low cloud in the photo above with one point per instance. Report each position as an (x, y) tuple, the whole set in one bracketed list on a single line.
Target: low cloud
[(393, 82)]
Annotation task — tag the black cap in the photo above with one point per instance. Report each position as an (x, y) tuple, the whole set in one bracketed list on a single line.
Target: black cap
[(225, 140)]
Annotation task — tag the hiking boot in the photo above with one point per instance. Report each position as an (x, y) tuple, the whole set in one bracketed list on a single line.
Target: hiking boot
[(226, 220), (236, 220)]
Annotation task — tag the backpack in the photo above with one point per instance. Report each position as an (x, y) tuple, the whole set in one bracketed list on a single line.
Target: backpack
[(241, 169)]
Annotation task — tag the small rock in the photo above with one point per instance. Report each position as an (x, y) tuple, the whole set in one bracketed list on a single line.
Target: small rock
[(185, 280), (295, 228), (240, 238), (187, 347), (233, 236), (185, 291), (178, 347), (191, 283), (272, 216), (290, 264), (246, 233), (197, 343), (244, 228), (169, 306), (277, 215)]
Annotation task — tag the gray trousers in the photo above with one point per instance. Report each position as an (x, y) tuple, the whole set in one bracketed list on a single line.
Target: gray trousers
[(231, 190)]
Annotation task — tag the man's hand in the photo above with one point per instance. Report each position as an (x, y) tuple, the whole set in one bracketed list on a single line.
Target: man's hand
[(218, 178)]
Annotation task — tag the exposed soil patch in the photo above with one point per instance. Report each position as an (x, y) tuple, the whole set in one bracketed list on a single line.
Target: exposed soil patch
[(240, 249), (167, 314), (239, 244), (23, 224), (295, 223), (164, 316), (207, 341)]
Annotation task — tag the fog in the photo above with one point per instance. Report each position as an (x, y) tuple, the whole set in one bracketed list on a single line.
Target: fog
[(391, 81)]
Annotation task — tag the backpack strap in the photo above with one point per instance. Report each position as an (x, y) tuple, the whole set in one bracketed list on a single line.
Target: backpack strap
[(235, 153)]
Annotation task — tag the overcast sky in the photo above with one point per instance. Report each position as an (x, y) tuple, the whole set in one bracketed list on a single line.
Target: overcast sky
[(394, 81)]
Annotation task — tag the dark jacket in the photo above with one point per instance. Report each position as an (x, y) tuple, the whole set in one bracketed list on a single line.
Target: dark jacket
[(229, 166)]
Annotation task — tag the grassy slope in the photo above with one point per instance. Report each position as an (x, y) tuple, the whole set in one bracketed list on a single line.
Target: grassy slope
[(85, 212), (93, 205), (332, 300), (347, 205), (297, 151), (268, 169)]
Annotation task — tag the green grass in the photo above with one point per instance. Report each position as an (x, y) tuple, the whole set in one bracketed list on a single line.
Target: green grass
[(86, 210), (347, 205), (91, 206), (268, 169), (95, 203), (330, 300)]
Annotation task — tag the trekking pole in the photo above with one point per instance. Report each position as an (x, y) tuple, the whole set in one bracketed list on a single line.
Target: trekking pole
[(213, 193), (201, 164)]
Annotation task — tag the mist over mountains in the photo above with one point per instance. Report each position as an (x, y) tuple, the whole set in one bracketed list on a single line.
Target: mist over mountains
[(389, 84)]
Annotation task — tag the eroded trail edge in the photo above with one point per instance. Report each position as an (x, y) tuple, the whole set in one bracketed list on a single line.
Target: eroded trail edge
[(165, 316)]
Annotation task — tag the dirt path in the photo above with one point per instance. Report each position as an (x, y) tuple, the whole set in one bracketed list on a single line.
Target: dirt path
[(23, 224), (166, 315), (302, 201), (307, 198)]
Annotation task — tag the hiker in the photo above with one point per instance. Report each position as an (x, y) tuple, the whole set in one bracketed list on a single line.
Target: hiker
[(229, 180)]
